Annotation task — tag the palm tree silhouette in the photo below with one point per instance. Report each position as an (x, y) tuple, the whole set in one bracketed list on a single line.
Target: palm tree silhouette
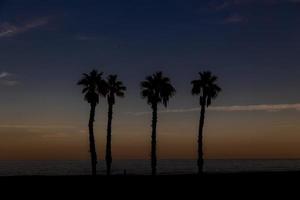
[(156, 89), (208, 90), (115, 88), (93, 85)]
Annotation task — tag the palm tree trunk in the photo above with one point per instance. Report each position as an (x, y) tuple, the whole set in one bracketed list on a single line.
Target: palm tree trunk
[(108, 144), (153, 141), (200, 140), (92, 140)]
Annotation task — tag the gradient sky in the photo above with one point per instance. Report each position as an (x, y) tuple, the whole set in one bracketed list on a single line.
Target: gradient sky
[(252, 45)]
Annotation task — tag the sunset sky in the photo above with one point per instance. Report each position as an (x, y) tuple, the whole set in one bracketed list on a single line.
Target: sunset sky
[(253, 46)]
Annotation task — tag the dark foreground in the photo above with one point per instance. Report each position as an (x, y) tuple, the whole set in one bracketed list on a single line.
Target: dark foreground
[(167, 176), (264, 176), (234, 185)]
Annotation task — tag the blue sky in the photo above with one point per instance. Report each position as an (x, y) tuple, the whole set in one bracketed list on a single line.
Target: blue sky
[(253, 46)]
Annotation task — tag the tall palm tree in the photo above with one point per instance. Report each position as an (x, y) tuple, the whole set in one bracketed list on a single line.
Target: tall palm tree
[(92, 85), (208, 90), (156, 89), (115, 89)]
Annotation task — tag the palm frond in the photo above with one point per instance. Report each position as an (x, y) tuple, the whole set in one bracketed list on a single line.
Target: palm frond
[(157, 89), (90, 83), (206, 87), (114, 88)]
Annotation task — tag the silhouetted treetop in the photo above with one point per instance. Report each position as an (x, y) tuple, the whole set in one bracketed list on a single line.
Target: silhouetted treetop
[(206, 86), (93, 85), (157, 89), (114, 88)]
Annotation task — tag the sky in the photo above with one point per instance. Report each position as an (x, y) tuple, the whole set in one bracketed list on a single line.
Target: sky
[(253, 47)]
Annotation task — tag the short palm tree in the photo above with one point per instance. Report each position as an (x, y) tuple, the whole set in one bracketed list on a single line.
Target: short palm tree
[(208, 90), (115, 88), (156, 89), (92, 83)]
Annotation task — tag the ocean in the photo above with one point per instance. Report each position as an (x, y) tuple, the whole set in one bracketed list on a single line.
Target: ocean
[(142, 167)]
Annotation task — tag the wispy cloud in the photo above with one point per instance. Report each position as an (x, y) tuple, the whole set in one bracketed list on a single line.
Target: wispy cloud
[(57, 135), (237, 108), (9, 82), (84, 38), (8, 79), (8, 29), (263, 107), (4, 74), (24, 126), (234, 18), (235, 8), (46, 131), (221, 5)]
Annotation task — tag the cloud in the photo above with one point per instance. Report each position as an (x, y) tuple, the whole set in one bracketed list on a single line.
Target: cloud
[(46, 131), (236, 8), (233, 3), (8, 29), (83, 131), (4, 75), (58, 135), (9, 83), (84, 38), (245, 108), (23, 126), (8, 79), (234, 18), (263, 107)]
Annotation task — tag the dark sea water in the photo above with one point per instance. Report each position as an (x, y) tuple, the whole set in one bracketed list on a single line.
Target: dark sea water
[(24, 168)]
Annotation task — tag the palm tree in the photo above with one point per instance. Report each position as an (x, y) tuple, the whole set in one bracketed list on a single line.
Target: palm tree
[(115, 88), (92, 85), (208, 90), (156, 89)]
